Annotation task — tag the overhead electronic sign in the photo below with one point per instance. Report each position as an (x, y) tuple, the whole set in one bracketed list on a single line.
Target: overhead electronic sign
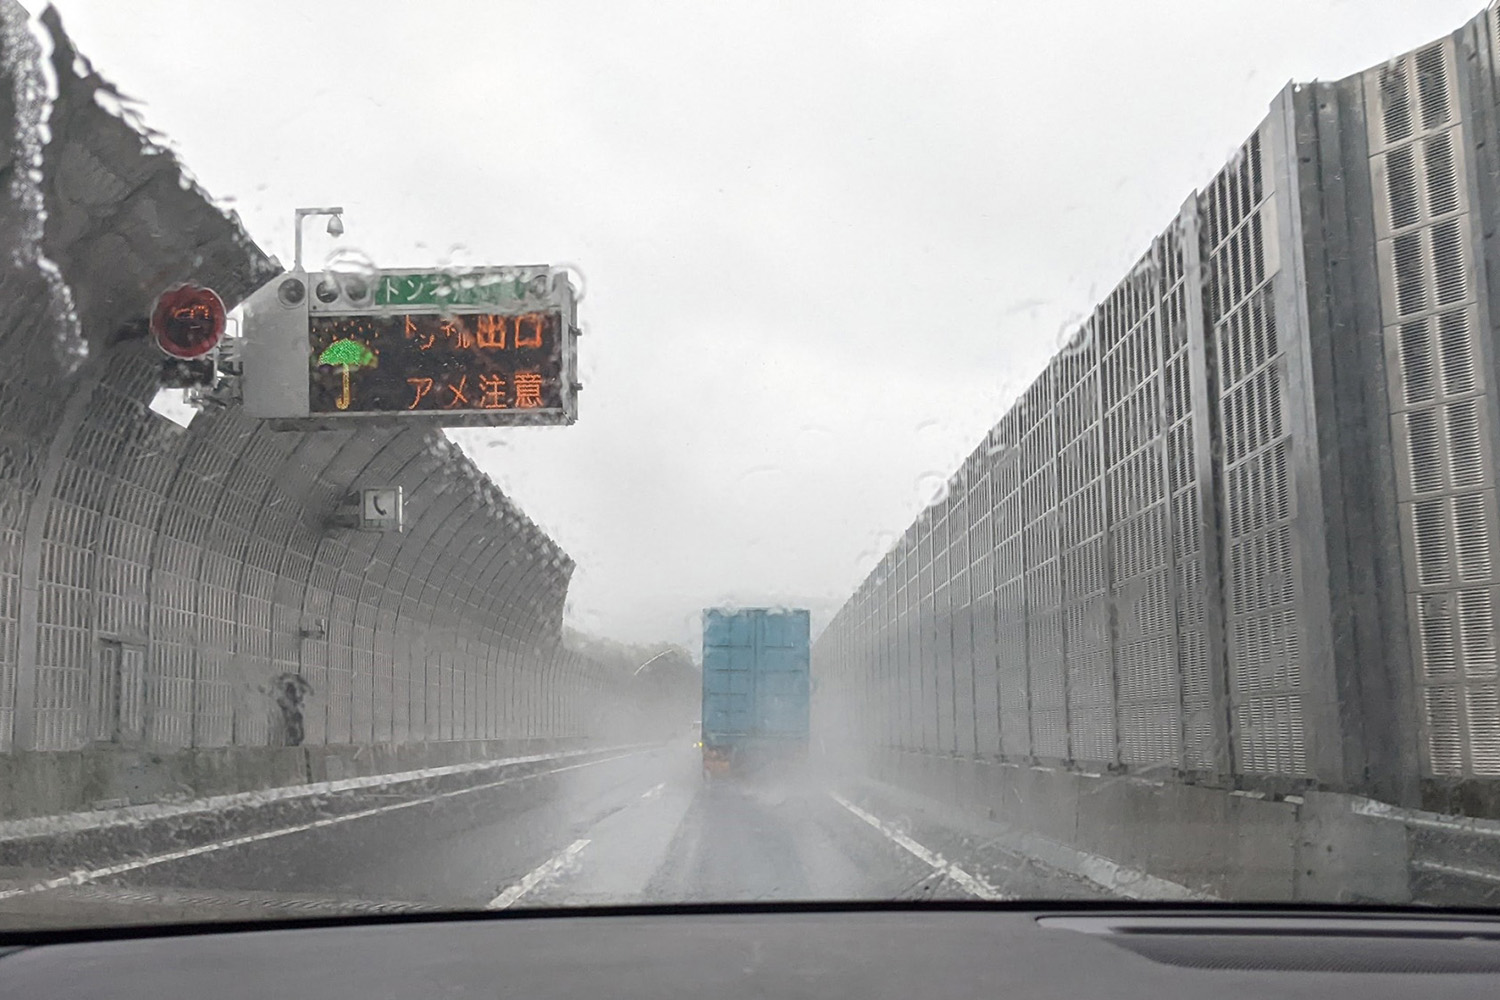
[(492, 347), (429, 363)]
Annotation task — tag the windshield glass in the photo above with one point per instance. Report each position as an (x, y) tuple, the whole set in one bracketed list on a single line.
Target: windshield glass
[(557, 454)]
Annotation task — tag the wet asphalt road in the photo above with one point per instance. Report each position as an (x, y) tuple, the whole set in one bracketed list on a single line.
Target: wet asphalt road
[(620, 827)]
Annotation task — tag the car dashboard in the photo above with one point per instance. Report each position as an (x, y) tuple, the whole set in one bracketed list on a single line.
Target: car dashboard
[(932, 952)]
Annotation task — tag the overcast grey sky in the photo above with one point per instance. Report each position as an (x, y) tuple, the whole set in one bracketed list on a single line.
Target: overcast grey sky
[(825, 244)]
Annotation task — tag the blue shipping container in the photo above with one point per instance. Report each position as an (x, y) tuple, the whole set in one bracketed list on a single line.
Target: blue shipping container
[(755, 686)]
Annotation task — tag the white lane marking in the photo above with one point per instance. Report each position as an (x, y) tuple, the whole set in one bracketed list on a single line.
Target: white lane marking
[(654, 791), (541, 873), (1128, 882), (51, 826), (1438, 866), (83, 875), (974, 885)]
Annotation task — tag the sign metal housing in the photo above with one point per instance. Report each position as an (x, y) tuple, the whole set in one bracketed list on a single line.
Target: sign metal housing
[(493, 347)]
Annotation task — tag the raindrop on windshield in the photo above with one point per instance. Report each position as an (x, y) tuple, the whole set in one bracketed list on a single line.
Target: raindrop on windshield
[(353, 271), (1074, 336), (932, 488), (573, 274)]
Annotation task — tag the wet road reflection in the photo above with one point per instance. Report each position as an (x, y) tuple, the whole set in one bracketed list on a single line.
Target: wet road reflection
[(633, 826)]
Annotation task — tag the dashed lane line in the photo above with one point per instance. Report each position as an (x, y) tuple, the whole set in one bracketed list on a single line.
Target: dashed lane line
[(974, 885), (654, 791), (82, 876), (544, 872)]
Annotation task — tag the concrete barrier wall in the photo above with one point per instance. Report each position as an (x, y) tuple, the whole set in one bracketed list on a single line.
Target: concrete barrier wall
[(156, 581), (1164, 840)]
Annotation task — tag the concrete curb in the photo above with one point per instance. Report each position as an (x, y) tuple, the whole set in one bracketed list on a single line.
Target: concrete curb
[(46, 785), (1165, 840)]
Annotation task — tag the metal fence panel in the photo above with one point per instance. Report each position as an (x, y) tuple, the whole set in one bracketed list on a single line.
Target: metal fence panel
[(1440, 401), (1266, 682)]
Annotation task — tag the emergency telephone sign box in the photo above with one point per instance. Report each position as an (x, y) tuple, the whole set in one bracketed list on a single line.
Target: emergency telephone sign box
[(380, 509)]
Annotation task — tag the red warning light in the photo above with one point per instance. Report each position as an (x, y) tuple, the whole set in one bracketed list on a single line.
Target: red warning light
[(187, 322)]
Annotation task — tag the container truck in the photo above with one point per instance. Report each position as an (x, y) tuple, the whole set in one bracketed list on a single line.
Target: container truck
[(755, 689)]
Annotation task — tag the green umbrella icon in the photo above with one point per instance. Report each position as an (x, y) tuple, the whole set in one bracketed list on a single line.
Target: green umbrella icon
[(347, 354)]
